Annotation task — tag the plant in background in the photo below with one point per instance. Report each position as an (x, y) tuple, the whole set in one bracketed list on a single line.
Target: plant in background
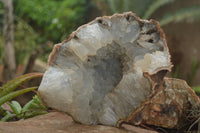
[(188, 14), (25, 40), (176, 72), (196, 89), (145, 9), (1, 49), (136, 6), (194, 68), (1, 34), (52, 19), (7, 93), (39, 22)]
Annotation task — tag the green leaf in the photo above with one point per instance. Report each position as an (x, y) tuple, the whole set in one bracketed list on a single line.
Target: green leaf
[(13, 84), (180, 15), (34, 113), (2, 111), (36, 106), (154, 6), (39, 102), (176, 72), (195, 66), (27, 106), (8, 116), (35, 103), (16, 107), (196, 89), (15, 94), (1, 11)]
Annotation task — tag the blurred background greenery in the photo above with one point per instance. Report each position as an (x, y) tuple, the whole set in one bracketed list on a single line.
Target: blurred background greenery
[(39, 24)]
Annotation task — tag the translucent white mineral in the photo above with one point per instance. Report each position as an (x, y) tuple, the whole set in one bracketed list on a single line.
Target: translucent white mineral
[(96, 75)]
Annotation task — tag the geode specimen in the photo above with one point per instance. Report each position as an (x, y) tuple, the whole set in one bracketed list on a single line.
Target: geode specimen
[(105, 70)]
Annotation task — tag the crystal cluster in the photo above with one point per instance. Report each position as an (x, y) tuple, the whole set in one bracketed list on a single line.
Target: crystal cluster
[(100, 73)]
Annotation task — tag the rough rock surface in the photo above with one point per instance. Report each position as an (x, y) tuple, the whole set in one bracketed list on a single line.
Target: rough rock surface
[(168, 105), (57, 122), (97, 73)]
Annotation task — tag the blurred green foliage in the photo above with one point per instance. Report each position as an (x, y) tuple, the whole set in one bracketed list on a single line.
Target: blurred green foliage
[(146, 8), (136, 6), (52, 19), (154, 6), (25, 40), (1, 49), (39, 22), (184, 14), (1, 33), (194, 68)]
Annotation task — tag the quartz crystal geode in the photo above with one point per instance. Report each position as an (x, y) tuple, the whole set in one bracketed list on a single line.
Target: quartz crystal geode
[(107, 69)]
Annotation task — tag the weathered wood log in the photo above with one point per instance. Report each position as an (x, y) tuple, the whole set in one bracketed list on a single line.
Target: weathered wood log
[(110, 70)]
